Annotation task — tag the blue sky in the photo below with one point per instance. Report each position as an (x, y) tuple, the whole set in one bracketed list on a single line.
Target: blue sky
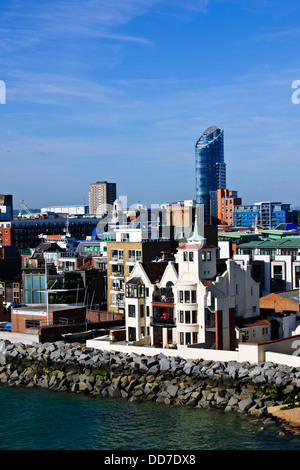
[(120, 90)]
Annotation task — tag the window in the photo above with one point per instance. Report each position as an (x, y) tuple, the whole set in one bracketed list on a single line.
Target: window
[(254, 309), (181, 296), (187, 316), (187, 296), (195, 338), (181, 336), (297, 276), (278, 272), (147, 291), (134, 291), (237, 289), (147, 311), (265, 331), (203, 255), (191, 256), (131, 310), (131, 254), (188, 338), (181, 316), (141, 311), (131, 334), (194, 297), (194, 316), (141, 291), (32, 323), (185, 256)]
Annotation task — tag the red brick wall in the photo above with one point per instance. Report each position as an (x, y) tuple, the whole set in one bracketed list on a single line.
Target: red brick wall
[(99, 316)]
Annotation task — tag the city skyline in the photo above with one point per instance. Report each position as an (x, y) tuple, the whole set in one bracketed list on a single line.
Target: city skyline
[(121, 91)]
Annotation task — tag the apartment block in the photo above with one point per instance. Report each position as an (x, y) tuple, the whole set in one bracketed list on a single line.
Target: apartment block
[(26, 233), (101, 195), (275, 262), (121, 258), (223, 203), (6, 207), (267, 214), (5, 233)]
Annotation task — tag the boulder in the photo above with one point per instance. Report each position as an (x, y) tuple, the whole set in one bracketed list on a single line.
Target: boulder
[(245, 404)]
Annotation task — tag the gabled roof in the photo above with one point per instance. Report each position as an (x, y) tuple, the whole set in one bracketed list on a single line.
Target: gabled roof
[(155, 270), (46, 247), (134, 280)]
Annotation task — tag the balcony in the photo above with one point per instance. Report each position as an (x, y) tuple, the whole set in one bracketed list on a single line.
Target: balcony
[(163, 299), (164, 322), (163, 316), (116, 274)]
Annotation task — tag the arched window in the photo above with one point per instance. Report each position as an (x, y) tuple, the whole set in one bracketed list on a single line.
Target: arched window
[(169, 290)]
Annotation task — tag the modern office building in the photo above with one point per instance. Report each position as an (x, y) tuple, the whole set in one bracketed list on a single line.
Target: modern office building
[(74, 210), (101, 195), (210, 167), (269, 214), (27, 233)]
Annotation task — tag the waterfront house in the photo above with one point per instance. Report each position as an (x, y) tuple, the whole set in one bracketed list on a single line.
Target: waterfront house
[(184, 303)]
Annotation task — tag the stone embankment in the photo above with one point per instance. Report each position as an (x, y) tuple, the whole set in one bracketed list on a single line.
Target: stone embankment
[(232, 386)]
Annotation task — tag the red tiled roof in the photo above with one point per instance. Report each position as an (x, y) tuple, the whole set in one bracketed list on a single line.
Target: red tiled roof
[(207, 283), (249, 323), (195, 246)]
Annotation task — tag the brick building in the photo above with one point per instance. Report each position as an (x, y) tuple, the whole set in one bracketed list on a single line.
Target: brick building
[(32, 319)]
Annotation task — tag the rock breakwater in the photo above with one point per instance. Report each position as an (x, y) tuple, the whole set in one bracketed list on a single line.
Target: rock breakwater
[(232, 386)]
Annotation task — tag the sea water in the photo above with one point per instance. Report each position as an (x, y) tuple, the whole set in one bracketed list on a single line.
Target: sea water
[(40, 419)]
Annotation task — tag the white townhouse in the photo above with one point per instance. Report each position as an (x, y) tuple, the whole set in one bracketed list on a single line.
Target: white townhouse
[(184, 303)]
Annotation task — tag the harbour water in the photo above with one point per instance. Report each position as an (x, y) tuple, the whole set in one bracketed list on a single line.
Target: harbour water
[(39, 419)]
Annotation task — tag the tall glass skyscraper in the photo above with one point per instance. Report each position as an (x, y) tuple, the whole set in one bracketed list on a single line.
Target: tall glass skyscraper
[(210, 167)]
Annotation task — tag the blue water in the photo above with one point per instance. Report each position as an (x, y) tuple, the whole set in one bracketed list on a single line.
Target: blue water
[(38, 419)]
